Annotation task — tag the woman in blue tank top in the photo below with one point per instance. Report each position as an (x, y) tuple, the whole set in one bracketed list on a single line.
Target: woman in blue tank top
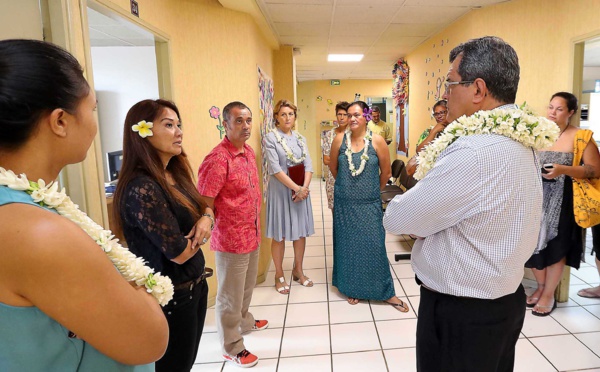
[(63, 306)]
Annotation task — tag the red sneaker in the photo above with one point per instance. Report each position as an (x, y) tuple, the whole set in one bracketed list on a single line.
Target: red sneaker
[(244, 359), (259, 325)]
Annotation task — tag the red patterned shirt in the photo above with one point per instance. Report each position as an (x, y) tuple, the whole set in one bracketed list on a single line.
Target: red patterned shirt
[(230, 177)]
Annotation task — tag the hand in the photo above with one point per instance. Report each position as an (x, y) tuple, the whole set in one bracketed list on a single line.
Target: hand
[(200, 233), (438, 128), (553, 172), (301, 195)]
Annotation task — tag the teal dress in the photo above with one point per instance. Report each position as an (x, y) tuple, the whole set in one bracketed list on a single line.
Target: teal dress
[(360, 264), (32, 341)]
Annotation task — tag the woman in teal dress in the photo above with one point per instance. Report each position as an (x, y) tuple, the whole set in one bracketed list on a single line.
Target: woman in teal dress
[(63, 305), (360, 265)]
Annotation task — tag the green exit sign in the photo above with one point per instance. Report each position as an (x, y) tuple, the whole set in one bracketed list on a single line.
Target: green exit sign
[(334, 82)]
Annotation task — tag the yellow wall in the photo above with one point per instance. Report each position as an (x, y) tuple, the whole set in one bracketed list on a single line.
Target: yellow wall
[(542, 33), (311, 112), (214, 57)]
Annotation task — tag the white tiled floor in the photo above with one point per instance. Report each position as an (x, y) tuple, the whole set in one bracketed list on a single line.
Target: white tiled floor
[(315, 329)]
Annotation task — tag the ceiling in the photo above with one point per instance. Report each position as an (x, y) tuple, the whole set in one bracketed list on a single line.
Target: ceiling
[(382, 30)]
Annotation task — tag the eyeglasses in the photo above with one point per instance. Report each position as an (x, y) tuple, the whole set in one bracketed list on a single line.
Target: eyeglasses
[(448, 84), (440, 113), (342, 115)]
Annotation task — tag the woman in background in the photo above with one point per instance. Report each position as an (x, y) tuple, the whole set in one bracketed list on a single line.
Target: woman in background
[(561, 239), (165, 221), (341, 113), (289, 210), (63, 305), (439, 112), (360, 163)]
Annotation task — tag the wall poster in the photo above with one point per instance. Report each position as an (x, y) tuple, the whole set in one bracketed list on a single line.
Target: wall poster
[(265, 102)]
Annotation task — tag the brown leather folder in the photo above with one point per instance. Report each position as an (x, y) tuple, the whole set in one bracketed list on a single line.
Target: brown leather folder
[(296, 173)]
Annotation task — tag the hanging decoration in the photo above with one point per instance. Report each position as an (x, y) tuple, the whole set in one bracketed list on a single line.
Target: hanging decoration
[(265, 101), (400, 94)]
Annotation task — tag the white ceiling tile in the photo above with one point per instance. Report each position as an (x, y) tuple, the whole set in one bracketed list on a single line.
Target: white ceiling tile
[(352, 40), (300, 2), (410, 29), (302, 29), (429, 14), (300, 13), (469, 3), (357, 29), (370, 3), (341, 49), (364, 14), (300, 41), (401, 41)]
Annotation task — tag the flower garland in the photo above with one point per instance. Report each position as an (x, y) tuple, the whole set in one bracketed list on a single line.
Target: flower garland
[(132, 268), (288, 152), (517, 124), (363, 158)]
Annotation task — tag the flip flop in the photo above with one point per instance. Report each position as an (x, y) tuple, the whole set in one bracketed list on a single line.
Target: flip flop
[(532, 303), (537, 313), (402, 307), (587, 293)]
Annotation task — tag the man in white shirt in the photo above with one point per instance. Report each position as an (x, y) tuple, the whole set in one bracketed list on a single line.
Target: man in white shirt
[(478, 213)]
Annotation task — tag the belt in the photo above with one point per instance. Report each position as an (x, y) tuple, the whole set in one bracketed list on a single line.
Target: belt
[(208, 272)]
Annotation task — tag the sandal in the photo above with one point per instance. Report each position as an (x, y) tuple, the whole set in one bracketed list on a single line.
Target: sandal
[(531, 301), (587, 293), (402, 307), (307, 282), (284, 289), (537, 313)]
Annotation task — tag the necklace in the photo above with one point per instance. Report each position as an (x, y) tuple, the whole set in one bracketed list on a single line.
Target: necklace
[(562, 131), (517, 124), (363, 158), (132, 268), (288, 152)]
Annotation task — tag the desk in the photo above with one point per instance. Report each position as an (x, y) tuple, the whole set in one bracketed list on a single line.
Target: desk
[(112, 225)]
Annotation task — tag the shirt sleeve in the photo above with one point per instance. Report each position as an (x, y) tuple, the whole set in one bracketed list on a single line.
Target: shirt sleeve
[(449, 193), (212, 175), (307, 161), (146, 207), (388, 132), (272, 156)]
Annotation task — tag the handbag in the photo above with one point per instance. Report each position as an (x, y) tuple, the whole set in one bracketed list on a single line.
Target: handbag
[(586, 191), (296, 173)]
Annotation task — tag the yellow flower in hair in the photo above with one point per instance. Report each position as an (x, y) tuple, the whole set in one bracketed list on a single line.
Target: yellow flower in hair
[(143, 128)]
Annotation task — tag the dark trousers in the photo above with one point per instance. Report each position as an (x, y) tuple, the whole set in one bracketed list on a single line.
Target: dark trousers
[(185, 314), (467, 334)]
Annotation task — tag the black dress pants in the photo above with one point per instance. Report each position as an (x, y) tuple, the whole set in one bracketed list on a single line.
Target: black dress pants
[(467, 334), (185, 314)]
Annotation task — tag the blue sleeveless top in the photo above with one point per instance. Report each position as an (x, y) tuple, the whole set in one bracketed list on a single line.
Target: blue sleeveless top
[(32, 341)]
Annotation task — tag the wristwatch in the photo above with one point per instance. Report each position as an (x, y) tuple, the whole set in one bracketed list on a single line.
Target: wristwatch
[(212, 220)]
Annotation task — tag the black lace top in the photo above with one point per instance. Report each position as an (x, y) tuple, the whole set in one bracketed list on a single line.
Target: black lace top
[(155, 227)]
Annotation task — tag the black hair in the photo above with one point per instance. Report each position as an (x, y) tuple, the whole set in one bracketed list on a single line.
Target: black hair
[(572, 104), (441, 102), (494, 61), (341, 106), (36, 78), (362, 105), (230, 105)]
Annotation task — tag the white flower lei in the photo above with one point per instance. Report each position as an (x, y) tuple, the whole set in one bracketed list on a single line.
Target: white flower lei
[(132, 268), (517, 124), (363, 158), (288, 152)]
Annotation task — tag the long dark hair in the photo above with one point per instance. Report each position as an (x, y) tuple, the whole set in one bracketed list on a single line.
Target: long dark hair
[(35, 78), (140, 157)]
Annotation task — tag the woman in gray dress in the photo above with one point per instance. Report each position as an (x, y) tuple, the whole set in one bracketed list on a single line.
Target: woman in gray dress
[(289, 210)]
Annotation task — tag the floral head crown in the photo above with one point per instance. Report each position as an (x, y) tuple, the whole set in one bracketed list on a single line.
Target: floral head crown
[(368, 114), (143, 128)]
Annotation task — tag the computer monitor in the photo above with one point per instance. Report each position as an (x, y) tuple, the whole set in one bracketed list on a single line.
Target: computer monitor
[(114, 161)]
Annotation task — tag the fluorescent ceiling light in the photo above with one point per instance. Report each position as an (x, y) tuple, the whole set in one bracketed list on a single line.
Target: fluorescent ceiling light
[(345, 57)]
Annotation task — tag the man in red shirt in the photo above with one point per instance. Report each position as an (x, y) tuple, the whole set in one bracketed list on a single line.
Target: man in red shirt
[(228, 182)]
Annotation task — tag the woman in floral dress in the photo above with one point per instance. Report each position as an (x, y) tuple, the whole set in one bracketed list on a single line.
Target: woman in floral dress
[(341, 112)]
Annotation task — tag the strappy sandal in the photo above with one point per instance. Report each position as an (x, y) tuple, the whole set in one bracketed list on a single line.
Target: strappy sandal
[(540, 307), (307, 282), (284, 289), (402, 307), (532, 301)]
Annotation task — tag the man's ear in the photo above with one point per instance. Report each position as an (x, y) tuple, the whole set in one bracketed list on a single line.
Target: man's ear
[(59, 121), (481, 91)]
